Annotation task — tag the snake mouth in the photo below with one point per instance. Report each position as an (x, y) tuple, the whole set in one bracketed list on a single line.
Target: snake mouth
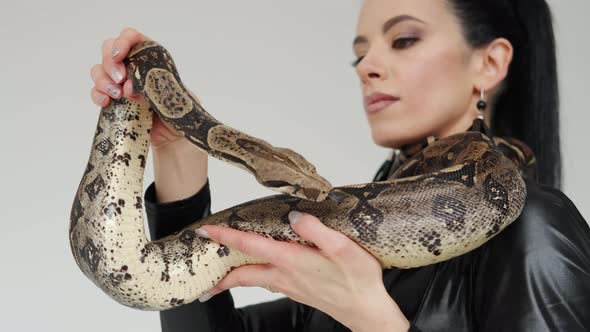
[(276, 184), (311, 194), (336, 197)]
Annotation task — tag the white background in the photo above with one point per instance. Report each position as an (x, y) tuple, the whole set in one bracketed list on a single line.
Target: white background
[(278, 70)]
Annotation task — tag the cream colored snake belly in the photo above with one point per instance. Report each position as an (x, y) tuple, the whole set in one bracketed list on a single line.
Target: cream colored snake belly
[(447, 200)]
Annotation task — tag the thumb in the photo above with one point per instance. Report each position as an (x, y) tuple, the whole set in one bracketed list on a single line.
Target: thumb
[(310, 228)]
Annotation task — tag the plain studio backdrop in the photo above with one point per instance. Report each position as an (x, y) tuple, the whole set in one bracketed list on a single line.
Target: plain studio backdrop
[(279, 70)]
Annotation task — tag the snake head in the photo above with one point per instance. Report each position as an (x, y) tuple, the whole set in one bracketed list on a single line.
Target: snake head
[(286, 171), (279, 169), (312, 187)]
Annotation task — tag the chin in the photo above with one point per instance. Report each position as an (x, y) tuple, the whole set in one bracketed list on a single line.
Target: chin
[(387, 140), (395, 138)]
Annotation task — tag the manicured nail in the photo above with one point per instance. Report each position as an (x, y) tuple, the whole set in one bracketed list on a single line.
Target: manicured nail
[(101, 99), (294, 216), (202, 233), (116, 51), (117, 75), (113, 91), (205, 297)]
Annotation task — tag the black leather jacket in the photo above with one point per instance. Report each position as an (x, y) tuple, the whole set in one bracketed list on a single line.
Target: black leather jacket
[(533, 276)]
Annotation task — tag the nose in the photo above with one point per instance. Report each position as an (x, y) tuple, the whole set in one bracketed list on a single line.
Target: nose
[(371, 67)]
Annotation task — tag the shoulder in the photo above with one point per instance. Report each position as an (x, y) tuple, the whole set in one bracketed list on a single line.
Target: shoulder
[(538, 267), (549, 221), (549, 227), (548, 243)]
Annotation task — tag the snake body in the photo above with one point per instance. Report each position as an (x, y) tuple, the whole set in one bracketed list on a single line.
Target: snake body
[(447, 200)]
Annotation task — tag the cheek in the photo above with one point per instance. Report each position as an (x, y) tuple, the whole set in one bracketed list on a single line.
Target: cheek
[(434, 92), (436, 86)]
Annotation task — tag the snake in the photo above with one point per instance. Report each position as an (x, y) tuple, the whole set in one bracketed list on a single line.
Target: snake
[(446, 200)]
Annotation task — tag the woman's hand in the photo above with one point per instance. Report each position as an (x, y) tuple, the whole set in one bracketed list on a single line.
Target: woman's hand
[(338, 277), (111, 81), (180, 168)]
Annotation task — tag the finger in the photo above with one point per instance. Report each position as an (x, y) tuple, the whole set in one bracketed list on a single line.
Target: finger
[(99, 98), (96, 71), (104, 83), (130, 94), (127, 39), (107, 45), (115, 70), (245, 242), (244, 276), (312, 229)]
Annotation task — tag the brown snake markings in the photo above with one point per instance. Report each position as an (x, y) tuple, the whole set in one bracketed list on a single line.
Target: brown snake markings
[(446, 200)]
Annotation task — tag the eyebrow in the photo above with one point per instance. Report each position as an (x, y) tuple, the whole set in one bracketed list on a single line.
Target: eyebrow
[(386, 26)]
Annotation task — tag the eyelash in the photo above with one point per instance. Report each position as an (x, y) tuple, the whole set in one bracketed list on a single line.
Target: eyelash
[(412, 39)]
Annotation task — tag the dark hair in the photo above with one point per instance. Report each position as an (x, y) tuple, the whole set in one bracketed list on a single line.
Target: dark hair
[(527, 104)]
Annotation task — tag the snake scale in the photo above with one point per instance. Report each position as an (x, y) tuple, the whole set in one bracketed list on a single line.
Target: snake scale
[(447, 200)]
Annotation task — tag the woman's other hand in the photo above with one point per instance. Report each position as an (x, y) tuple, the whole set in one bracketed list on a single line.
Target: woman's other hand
[(111, 81), (339, 277)]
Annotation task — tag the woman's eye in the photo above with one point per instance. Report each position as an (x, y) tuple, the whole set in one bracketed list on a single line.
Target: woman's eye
[(404, 42), (357, 61), (399, 43)]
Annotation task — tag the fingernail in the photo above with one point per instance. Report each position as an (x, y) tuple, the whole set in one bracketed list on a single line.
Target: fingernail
[(116, 51), (101, 99), (294, 216), (117, 75), (113, 91), (205, 297), (202, 233)]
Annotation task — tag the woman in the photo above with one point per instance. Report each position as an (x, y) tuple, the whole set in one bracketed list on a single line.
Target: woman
[(434, 61)]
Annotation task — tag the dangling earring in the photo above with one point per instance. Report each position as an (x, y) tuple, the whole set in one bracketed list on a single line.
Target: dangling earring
[(479, 124), (481, 105)]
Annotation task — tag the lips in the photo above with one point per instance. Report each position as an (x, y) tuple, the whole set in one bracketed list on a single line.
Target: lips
[(378, 101)]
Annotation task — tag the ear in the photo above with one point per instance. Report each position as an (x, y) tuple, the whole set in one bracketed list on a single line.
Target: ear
[(493, 63)]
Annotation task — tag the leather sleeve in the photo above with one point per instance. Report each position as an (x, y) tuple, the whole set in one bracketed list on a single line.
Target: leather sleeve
[(219, 313), (167, 218), (413, 328), (537, 276)]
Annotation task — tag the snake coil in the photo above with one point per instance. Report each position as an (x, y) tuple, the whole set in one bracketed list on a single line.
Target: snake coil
[(448, 199)]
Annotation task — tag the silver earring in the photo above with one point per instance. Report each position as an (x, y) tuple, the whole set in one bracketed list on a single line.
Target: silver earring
[(481, 105)]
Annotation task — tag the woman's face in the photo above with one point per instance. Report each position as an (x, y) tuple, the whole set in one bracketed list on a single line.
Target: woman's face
[(431, 73)]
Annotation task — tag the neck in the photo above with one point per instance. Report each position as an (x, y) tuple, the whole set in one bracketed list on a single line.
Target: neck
[(405, 152)]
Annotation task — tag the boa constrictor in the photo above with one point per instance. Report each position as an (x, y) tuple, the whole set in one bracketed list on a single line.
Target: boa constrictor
[(447, 200)]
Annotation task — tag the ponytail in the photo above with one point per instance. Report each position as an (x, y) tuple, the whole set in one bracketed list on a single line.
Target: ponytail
[(527, 104)]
